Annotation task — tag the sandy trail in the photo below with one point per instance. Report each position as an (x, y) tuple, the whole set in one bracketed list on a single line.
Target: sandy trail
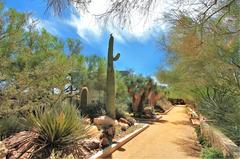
[(171, 138)]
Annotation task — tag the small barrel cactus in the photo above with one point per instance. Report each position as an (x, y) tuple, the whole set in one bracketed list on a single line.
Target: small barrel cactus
[(110, 92), (84, 97)]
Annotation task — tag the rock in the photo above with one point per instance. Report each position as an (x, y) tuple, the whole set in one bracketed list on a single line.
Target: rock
[(158, 117), (107, 135), (122, 120), (123, 126), (103, 120), (93, 131), (3, 150), (158, 108), (110, 132), (131, 120), (87, 121), (116, 122), (104, 142), (92, 144), (18, 142), (148, 112)]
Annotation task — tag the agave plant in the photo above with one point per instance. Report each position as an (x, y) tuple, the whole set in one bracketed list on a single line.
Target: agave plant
[(59, 128)]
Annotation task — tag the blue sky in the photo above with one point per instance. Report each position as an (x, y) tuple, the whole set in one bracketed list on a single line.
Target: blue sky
[(137, 44)]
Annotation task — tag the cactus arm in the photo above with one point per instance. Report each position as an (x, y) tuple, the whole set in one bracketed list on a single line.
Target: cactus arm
[(116, 57)]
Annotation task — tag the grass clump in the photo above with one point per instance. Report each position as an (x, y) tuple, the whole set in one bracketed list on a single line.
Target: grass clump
[(201, 139), (211, 153), (207, 152)]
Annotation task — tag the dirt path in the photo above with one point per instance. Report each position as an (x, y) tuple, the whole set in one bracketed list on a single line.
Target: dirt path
[(172, 138)]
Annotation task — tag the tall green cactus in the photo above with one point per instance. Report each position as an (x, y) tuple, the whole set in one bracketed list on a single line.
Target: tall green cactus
[(111, 110)]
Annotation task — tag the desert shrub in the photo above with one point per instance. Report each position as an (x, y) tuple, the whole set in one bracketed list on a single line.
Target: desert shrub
[(211, 153), (10, 125), (121, 111), (222, 106), (201, 139), (59, 128), (93, 110)]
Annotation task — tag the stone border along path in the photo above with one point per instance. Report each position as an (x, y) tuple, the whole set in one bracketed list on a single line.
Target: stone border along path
[(173, 137)]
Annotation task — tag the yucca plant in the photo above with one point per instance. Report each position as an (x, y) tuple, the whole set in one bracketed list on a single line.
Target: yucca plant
[(59, 128)]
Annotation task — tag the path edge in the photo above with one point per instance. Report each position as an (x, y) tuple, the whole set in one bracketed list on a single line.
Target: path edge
[(109, 150), (167, 111)]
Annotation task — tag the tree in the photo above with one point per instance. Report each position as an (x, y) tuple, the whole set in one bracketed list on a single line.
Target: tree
[(101, 78), (33, 65), (122, 95), (120, 11), (206, 68)]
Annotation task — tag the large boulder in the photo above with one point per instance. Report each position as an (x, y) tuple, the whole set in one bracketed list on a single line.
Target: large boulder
[(3, 150), (103, 120)]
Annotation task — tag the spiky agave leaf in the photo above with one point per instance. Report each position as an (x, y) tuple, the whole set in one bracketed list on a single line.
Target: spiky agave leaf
[(60, 127)]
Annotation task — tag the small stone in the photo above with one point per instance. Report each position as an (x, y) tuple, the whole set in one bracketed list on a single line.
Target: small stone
[(104, 142), (124, 126), (92, 144), (122, 120), (87, 121), (148, 112), (116, 122), (131, 120), (3, 150)]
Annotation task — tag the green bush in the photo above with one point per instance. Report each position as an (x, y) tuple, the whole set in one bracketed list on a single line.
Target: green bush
[(121, 111), (59, 128), (93, 110), (211, 153), (10, 125), (222, 106)]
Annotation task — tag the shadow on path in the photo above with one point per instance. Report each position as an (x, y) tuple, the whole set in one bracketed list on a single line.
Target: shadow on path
[(189, 146), (183, 122)]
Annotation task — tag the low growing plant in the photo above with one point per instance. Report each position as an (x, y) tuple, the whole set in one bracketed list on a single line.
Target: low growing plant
[(201, 139), (211, 153), (10, 125)]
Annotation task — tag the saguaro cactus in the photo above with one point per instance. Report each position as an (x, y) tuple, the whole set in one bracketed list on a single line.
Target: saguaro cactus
[(110, 108)]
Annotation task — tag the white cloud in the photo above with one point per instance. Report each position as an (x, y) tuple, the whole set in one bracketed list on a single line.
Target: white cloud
[(88, 27)]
